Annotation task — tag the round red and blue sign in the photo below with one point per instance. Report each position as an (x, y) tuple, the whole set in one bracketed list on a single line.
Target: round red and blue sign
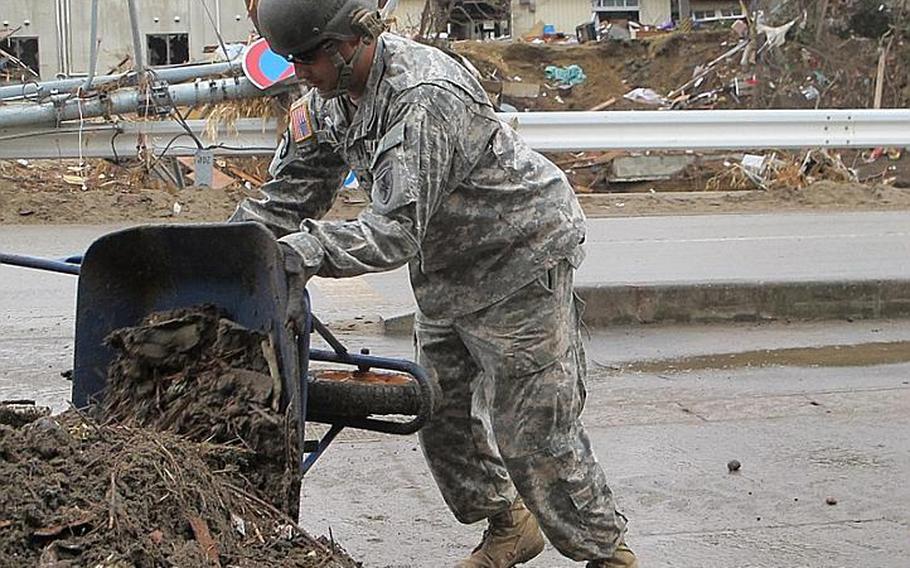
[(264, 67)]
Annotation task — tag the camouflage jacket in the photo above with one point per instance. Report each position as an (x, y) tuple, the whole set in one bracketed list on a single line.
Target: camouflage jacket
[(454, 191)]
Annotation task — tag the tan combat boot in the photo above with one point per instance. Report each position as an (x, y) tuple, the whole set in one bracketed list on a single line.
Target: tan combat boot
[(512, 537), (622, 558)]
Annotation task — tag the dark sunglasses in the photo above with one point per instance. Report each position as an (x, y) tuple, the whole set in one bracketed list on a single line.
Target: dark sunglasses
[(308, 57)]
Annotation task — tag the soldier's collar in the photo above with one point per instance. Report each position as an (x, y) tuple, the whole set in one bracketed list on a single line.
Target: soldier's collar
[(365, 107)]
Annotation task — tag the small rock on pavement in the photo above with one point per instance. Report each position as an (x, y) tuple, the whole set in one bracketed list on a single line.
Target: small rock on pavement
[(831, 500), (733, 465)]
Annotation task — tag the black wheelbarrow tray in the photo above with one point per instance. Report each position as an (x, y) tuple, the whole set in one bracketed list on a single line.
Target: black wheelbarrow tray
[(126, 275)]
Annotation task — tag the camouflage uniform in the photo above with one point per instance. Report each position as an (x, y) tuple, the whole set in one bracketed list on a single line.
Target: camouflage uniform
[(491, 231)]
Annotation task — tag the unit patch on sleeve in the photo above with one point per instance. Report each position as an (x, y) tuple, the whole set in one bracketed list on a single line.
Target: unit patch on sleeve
[(301, 121)]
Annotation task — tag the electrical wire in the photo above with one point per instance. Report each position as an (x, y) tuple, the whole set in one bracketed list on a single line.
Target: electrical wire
[(167, 147), (182, 121), (215, 28), (114, 146)]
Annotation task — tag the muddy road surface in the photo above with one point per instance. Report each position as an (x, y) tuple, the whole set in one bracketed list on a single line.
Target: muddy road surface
[(668, 408)]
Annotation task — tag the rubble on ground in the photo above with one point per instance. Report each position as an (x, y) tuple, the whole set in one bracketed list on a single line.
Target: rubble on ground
[(776, 60), (189, 461), (714, 67)]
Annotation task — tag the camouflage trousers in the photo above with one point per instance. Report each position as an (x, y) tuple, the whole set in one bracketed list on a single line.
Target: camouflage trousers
[(512, 379)]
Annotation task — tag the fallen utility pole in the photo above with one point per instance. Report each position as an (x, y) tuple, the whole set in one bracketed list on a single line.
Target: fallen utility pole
[(169, 75), (545, 131), (247, 137), (157, 100)]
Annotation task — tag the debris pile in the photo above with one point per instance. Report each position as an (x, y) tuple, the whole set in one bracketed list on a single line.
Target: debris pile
[(188, 461), (784, 171), (197, 374), (790, 57), (77, 493)]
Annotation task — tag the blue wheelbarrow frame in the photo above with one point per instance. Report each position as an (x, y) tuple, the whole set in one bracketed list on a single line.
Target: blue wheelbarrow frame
[(128, 274)]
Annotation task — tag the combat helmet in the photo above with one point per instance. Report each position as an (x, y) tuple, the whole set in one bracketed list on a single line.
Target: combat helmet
[(300, 26)]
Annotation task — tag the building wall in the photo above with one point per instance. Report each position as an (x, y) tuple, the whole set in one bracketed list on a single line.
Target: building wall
[(407, 16), (712, 5), (564, 14), (654, 12), (37, 18), (173, 16)]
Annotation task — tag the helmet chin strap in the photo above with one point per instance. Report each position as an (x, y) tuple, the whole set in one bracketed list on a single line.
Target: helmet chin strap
[(345, 69)]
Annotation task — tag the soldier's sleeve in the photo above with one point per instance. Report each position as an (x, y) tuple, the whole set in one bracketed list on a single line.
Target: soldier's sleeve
[(411, 171), (306, 178)]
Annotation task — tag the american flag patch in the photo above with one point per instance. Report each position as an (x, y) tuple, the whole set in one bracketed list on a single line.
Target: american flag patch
[(301, 121)]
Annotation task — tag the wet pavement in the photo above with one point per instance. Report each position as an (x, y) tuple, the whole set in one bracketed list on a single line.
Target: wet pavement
[(803, 433), (807, 409)]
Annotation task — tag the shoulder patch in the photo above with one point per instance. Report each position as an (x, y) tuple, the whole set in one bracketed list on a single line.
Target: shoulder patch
[(301, 121)]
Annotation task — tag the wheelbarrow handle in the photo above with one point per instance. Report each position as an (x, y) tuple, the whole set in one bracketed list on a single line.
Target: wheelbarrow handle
[(67, 266)]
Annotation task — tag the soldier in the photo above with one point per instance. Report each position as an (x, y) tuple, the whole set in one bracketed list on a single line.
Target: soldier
[(492, 234)]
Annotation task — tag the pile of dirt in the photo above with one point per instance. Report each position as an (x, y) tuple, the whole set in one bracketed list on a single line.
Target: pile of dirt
[(77, 493), (196, 373), (836, 68), (35, 193), (188, 461)]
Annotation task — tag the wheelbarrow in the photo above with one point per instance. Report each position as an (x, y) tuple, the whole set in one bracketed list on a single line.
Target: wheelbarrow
[(129, 274)]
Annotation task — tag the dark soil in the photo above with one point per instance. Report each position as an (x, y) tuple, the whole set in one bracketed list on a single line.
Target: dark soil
[(77, 493), (189, 462), (194, 373)]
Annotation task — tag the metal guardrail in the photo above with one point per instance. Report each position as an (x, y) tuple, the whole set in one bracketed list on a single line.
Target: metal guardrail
[(545, 131), (714, 129)]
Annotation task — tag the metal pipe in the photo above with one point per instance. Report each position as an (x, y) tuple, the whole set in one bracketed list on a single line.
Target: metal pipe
[(67, 36), (170, 75), (39, 263), (61, 108), (137, 37), (93, 56), (58, 16)]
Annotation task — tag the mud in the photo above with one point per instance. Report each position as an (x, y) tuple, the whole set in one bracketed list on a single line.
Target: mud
[(197, 374), (864, 355), (188, 461), (77, 493)]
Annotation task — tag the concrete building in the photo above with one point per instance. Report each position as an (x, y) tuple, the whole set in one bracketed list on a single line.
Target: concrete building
[(52, 36), (564, 15)]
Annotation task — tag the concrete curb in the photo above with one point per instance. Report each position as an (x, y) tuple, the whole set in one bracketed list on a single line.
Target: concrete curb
[(729, 301)]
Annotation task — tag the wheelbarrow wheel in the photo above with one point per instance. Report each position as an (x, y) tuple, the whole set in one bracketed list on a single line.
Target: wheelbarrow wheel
[(360, 394)]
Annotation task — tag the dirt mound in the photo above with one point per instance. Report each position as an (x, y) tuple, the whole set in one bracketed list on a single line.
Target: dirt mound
[(831, 72), (189, 461), (195, 373), (81, 494), (36, 193)]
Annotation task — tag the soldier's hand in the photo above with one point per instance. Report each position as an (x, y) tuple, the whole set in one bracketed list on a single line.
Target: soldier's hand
[(297, 276)]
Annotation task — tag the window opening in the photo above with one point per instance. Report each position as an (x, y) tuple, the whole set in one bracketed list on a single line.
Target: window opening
[(168, 49), (24, 49)]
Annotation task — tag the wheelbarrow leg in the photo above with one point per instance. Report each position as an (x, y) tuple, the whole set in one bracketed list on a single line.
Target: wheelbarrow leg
[(320, 448)]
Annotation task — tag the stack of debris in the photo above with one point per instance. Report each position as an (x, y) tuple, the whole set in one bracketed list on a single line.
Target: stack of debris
[(189, 461)]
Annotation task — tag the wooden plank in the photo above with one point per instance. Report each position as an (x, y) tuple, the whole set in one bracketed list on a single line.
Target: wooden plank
[(606, 104)]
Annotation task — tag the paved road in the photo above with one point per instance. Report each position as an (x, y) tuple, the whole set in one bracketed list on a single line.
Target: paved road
[(693, 249), (802, 433), (638, 250)]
